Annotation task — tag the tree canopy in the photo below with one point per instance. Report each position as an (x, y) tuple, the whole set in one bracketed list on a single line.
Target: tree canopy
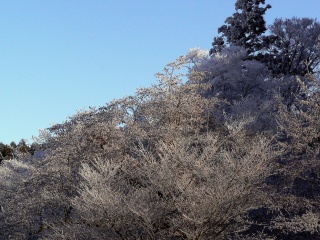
[(294, 46), (290, 48)]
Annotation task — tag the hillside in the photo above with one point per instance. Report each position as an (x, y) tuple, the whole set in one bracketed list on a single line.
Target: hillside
[(225, 146)]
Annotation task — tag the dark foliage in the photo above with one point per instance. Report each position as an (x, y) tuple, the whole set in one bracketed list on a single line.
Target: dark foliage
[(244, 27)]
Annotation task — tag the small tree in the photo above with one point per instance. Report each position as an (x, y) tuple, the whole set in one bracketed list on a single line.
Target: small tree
[(6, 151)]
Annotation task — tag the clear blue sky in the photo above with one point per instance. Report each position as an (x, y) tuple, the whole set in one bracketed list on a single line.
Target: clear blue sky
[(60, 56)]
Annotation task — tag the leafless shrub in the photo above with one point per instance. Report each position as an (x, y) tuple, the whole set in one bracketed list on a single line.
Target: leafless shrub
[(191, 188)]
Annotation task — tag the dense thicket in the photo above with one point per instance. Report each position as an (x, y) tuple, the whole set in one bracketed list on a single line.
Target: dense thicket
[(228, 149)]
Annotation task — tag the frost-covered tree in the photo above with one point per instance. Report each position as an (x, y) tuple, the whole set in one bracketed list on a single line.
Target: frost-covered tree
[(231, 77), (245, 86), (293, 46), (190, 188), (20, 204), (244, 27), (295, 183)]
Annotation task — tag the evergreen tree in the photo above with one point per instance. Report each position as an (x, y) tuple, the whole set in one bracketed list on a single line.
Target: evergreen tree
[(6, 151), (13, 145), (244, 27)]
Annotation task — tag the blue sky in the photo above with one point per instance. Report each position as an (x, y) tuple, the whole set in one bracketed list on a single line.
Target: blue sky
[(57, 57)]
